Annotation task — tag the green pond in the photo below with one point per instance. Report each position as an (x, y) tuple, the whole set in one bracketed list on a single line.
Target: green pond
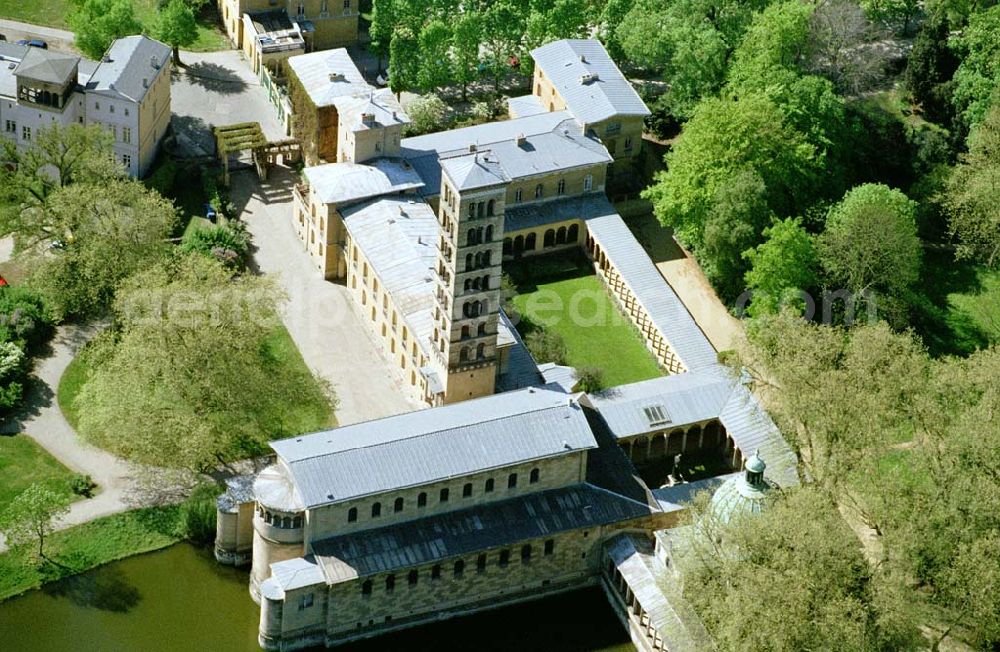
[(179, 599)]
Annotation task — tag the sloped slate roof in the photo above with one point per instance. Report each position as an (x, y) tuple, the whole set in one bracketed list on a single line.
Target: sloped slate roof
[(48, 67), (665, 309), (314, 71), (130, 61), (753, 430), (529, 216), (341, 183), (468, 531), (430, 445), (566, 62), (381, 104), (474, 171)]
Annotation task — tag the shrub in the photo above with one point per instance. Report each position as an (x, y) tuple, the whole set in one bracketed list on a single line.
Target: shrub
[(483, 111), (426, 114), (81, 485), (230, 244), (163, 178), (546, 346), (589, 379), (198, 515), (24, 317), (12, 361)]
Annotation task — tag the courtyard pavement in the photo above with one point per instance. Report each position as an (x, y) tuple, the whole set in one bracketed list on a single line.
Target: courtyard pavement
[(58, 39), (213, 89), (320, 316)]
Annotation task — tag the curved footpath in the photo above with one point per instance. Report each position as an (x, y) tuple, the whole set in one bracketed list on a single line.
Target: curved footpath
[(43, 421)]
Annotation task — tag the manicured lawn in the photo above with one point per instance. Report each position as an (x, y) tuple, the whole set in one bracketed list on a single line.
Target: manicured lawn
[(960, 308), (87, 546), (311, 413), (22, 463), (54, 14), (561, 294)]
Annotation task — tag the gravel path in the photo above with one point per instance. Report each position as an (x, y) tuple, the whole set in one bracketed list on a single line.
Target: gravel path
[(43, 421)]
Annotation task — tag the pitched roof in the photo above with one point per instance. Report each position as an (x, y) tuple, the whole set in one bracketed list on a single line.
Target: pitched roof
[(342, 183), (327, 75), (474, 170), (380, 104), (430, 445), (129, 67), (475, 529), (551, 141), (49, 67), (590, 83), (581, 207)]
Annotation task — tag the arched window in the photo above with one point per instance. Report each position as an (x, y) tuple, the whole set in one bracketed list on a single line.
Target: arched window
[(472, 209), (539, 189), (286, 523), (508, 246), (479, 260), (484, 308), (468, 284), (561, 235), (412, 577), (366, 587), (561, 187), (549, 239), (444, 495), (490, 207), (518, 244), (476, 284), (489, 232), (267, 517), (463, 355), (534, 476), (297, 522), (459, 568), (574, 233), (529, 242), (465, 332), (376, 510), (468, 261), (398, 505), (467, 490), (485, 283), (511, 480), (480, 351), (481, 329), (489, 485), (390, 582), (422, 499), (470, 237), (486, 258)]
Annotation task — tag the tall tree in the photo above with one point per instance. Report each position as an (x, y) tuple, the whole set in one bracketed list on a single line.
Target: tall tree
[(871, 245), (96, 23), (105, 233), (176, 26), (929, 70), (972, 195), (435, 68), (978, 76), (383, 24), (404, 61), (31, 516), (504, 24), (464, 52), (783, 265)]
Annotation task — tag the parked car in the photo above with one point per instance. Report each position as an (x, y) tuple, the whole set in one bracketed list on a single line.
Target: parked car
[(210, 213), (34, 43)]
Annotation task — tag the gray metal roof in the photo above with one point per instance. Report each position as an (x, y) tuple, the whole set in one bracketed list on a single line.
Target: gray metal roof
[(342, 183), (551, 142), (399, 236), (474, 170), (469, 531), (669, 613), (665, 309), (536, 214), (49, 67), (588, 80), (327, 75), (129, 67), (426, 446), (520, 370), (380, 105), (560, 375), (753, 430), (524, 105), (296, 573)]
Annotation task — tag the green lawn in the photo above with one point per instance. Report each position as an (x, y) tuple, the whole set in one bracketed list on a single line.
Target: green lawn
[(561, 294), (311, 414), (54, 13), (959, 307), (87, 546), (22, 463)]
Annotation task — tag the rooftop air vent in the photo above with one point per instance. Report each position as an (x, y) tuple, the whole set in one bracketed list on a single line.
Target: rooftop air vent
[(520, 139), (472, 148), (368, 117), (11, 66), (145, 83), (656, 415), (588, 77), (336, 76), (153, 62), (583, 58)]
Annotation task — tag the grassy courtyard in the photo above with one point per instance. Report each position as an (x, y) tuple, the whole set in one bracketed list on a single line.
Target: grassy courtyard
[(54, 13), (23, 463), (562, 295)]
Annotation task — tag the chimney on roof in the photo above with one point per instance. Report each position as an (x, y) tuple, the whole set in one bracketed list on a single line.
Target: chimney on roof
[(520, 139), (583, 58), (336, 76), (589, 77), (472, 148), (153, 62), (145, 82), (367, 118)]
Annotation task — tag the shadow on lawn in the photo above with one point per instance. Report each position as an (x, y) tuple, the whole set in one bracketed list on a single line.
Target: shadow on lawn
[(945, 330)]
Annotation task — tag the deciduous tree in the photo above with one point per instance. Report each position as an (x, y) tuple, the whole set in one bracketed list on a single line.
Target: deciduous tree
[(30, 517), (781, 267), (96, 23), (176, 26)]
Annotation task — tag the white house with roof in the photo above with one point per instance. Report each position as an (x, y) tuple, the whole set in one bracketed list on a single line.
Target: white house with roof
[(127, 93)]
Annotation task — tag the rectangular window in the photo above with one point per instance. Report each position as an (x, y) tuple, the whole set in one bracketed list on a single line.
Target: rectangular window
[(550, 545), (305, 601), (412, 577), (126, 160), (11, 127), (613, 128), (126, 135), (628, 144), (436, 572), (489, 485), (517, 195), (324, 6), (444, 495), (512, 481), (111, 108), (561, 187), (347, 4), (481, 563), (588, 183), (504, 558), (26, 133), (467, 490)]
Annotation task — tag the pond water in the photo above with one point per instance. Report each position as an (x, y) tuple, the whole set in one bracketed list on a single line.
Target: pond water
[(180, 599)]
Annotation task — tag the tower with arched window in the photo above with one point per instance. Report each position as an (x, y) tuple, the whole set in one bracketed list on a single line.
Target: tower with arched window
[(473, 187)]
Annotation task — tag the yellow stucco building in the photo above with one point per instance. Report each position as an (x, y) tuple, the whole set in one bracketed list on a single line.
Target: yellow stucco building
[(321, 24)]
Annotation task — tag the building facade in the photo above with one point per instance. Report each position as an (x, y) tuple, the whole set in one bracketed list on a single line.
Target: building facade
[(127, 94), (323, 24)]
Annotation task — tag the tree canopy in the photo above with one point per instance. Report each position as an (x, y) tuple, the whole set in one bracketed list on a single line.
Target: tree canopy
[(96, 23), (31, 516), (176, 26)]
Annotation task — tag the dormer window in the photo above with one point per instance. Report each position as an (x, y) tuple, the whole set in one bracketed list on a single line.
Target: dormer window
[(656, 415)]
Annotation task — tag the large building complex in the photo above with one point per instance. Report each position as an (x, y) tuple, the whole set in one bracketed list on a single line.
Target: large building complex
[(513, 485), (259, 26), (127, 93)]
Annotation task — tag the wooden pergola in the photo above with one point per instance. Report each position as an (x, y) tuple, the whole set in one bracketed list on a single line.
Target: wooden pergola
[(249, 136)]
